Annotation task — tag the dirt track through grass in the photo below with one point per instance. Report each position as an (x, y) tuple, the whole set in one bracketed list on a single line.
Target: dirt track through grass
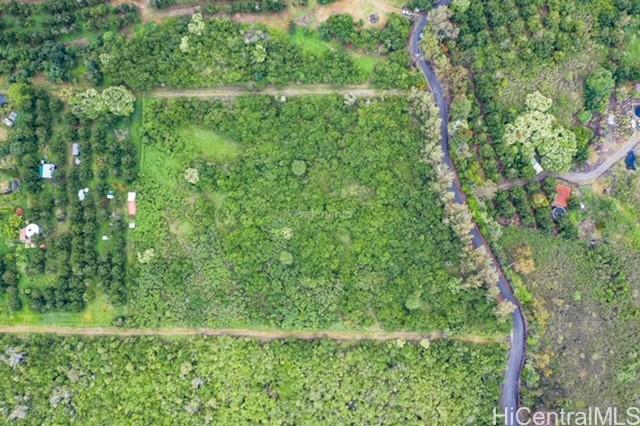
[(259, 334), (362, 91)]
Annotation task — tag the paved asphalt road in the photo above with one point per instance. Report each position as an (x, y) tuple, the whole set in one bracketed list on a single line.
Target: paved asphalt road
[(588, 177), (511, 387), (580, 178)]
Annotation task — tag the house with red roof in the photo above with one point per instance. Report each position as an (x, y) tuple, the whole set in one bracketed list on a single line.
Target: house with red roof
[(561, 201)]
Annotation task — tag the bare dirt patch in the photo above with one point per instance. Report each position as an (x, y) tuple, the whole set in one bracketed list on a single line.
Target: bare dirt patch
[(150, 14), (315, 14), (359, 9), (311, 15)]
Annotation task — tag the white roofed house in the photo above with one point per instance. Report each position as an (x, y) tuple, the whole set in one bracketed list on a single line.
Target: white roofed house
[(10, 120), (46, 170), (75, 152), (75, 149), (536, 166)]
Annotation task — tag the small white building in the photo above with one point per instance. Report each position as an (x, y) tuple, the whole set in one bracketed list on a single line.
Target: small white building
[(75, 149), (10, 120), (82, 194), (536, 166), (46, 170)]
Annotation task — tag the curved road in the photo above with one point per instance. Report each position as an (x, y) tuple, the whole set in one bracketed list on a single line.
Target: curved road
[(580, 178), (511, 387), (586, 178)]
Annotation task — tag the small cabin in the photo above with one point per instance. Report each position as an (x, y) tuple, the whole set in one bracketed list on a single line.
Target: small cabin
[(46, 170), (561, 201), (131, 204), (10, 120), (536, 166)]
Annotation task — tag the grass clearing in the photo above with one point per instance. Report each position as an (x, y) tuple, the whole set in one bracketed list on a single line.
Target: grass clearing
[(99, 312), (563, 82), (208, 144), (310, 42), (631, 54), (366, 63)]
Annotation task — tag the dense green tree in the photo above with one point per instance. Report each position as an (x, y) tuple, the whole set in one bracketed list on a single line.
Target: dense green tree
[(599, 86)]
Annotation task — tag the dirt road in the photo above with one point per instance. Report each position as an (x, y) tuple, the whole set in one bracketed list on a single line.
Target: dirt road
[(361, 91), (260, 334)]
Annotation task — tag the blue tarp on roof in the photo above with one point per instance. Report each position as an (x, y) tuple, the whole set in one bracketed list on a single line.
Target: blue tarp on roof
[(3, 100), (630, 160)]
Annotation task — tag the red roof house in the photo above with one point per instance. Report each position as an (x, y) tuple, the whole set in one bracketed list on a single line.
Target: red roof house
[(563, 193)]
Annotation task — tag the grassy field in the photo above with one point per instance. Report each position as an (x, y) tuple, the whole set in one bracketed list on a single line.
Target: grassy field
[(208, 144), (631, 55), (99, 312), (563, 82), (312, 43)]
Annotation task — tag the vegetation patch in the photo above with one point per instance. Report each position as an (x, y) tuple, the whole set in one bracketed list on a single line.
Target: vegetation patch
[(313, 222), (583, 315), (201, 380)]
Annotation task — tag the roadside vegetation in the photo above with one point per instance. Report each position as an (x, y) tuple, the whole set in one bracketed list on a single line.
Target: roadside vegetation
[(534, 80)]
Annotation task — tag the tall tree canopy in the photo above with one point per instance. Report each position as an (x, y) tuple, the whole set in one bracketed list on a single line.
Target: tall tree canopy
[(537, 131)]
